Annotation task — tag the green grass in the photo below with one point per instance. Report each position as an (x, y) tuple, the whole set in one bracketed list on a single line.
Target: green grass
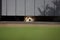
[(29, 33)]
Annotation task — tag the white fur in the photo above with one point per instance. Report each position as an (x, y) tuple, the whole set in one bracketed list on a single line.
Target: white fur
[(27, 19)]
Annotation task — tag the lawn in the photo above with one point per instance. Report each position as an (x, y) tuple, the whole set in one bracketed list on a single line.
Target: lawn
[(29, 33)]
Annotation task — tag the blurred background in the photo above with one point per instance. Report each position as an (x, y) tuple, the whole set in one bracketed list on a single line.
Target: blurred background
[(42, 10)]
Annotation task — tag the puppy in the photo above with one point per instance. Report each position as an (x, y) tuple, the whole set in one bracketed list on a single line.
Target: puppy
[(29, 19)]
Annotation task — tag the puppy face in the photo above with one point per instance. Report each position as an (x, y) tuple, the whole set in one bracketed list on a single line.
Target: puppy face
[(29, 19)]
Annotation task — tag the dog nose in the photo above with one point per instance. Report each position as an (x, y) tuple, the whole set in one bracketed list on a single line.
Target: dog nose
[(29, 19)]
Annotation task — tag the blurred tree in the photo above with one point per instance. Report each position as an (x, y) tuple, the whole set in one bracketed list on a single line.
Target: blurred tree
[(57, 4), (51, 11)]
